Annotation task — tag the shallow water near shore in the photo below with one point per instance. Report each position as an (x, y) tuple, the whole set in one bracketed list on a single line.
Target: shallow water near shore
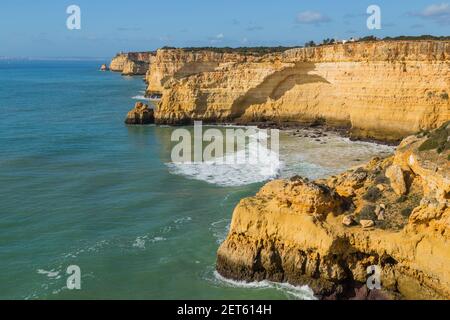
[(78, 187)]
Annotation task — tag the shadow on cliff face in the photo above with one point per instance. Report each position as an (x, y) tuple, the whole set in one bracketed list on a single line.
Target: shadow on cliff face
[(275, 86), (189, 69)]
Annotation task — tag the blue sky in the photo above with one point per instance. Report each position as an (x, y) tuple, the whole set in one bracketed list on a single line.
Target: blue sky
[(38, 28)]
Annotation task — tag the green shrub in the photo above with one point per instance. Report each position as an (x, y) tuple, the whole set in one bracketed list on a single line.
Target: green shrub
[(372, 194), (429, 144), (437, 139), (253, 51), (381, 179), (422, 37), (422, 133), (367, 213), (406, 212)]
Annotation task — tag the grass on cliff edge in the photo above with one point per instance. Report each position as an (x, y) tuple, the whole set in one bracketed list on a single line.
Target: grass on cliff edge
[(254, 51), (438, 140)]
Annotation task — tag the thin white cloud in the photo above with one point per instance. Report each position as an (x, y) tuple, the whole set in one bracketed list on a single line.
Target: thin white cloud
[(439, 13), (312, 17), (216, 39), (436, 10)]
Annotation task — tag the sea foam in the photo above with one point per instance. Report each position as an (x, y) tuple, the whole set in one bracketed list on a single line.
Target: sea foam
[(297, 292), (141, 97), (261, 165)]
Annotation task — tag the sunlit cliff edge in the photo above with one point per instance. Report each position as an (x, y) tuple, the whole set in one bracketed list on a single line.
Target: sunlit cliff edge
[(384, 89)]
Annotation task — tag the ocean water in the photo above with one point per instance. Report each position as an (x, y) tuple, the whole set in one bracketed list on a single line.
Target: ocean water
[(79, 187)]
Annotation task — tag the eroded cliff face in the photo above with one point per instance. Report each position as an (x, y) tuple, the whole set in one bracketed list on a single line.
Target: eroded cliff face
[(383, 90), (174, 64), (132, 63), (326, 233)]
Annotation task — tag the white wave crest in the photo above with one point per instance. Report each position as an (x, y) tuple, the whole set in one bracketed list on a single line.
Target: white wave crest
[(141, 241), (52, 274), (141, 97), (256, 163), (298, 292)]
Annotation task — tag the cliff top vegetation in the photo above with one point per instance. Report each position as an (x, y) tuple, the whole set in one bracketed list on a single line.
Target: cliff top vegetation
[(254, 51)]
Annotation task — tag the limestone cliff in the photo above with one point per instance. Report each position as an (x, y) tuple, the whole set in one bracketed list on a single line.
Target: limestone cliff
[(140, 114), (175, 64), (132, 63), (383, 90), (326, 233)]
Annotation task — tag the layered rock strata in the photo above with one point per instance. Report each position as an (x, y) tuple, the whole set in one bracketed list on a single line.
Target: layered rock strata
[(382, 90), (326, 233), (132, 63), (175, 64)]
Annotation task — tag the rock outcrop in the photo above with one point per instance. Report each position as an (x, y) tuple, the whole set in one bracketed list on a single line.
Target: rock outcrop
[(174, 64), (135, 68), (305, 232), (140, 114), (132, 63), (384, 90), (104, 67)]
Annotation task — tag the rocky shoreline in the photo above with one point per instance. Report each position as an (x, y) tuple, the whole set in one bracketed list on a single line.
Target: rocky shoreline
[(392, 213), (318, 232), (332, 85)]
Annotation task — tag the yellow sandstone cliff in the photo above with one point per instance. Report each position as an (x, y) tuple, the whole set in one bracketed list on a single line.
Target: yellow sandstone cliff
[(384, 89), (132, 63), (175, 64), (326, 233)]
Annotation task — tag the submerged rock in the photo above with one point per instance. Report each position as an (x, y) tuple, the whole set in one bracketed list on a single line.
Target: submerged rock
[(141, 114)]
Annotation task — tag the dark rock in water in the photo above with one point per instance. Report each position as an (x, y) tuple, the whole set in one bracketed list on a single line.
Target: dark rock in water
[(141, 114), (104, 67)]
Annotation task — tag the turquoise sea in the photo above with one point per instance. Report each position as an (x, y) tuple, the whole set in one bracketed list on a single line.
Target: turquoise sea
[(79, 187)]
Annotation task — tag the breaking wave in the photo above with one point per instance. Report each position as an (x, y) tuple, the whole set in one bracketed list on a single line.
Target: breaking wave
[(296, 292), (261, 164)]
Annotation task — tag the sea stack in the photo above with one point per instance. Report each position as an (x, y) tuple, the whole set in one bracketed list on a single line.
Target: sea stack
[(104, 67), (141, 114)]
